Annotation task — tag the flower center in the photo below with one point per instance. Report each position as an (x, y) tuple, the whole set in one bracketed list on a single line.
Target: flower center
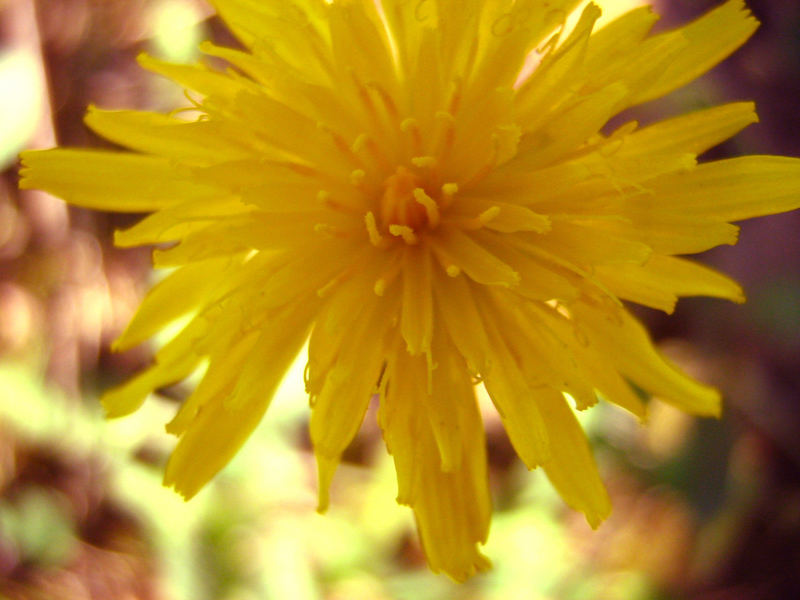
[(406, 206), (399, 204)]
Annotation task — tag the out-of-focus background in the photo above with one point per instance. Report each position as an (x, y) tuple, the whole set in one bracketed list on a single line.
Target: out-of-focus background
[(703, 509)]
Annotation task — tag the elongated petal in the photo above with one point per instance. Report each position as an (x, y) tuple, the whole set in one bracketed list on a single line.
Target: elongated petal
[(540, 279), (625, 341), (599, 368), (514, 398), (458, 312), (175, 361), (204, 142), (199, 78), (109, 180), (695, 132), (222, 425), (659, 282), (294, 27), (565, 132), (441, 476), (571, 467), (711, 38), (548, 87), (173, 297), (619, 39), (179, 222), (338, 410), (510, 217), (732, 189), (461, 250), (673, 233), (416, 321), (512, 32), (587, 243)]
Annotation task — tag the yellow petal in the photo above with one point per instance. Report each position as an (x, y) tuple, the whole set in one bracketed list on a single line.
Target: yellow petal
[(731, 190), (338, 410), (457, 248), (274, 181), (619, 39), (456, 309), (416, 320), (200, 142), (452, 507), (638, 66), (315, 143), (511, 218), (294, 31), (179, 221), (336, 321), (711, 38), (694, 133), (174, 362), (571, 467), (550, 85), (659, 282), (586, 243), (222, 425), (669, 233), (407, 21), (539, 278), (544, 356), (515, 401), (272, 354), (225, 362), (173, 297), (215, 435), (110, 180), (598, 368), (458, 33), (511, 32), (616, 334), (359, 43), (210, 241), (566, 132), (199, 78), (451, 394)]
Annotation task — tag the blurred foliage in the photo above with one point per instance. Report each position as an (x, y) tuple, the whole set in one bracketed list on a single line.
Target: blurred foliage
[(703, 510)]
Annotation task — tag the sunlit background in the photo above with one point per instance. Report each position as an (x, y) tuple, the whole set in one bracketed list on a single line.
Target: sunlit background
[(707, 510)]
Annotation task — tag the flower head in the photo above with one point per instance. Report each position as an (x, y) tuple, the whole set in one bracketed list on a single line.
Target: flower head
[(427, 193)]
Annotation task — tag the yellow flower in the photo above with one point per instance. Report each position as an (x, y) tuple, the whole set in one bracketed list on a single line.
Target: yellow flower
[(379, 178)]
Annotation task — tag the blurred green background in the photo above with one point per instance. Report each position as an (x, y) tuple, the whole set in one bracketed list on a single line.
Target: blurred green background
[(707, 510)]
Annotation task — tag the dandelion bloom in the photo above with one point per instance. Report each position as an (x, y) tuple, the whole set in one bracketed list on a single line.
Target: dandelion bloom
[(394, 183)]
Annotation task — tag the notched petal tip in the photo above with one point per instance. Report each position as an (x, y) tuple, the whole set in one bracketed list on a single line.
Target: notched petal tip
[(182, 488), (27, 170), (91, 110), (595, 519)]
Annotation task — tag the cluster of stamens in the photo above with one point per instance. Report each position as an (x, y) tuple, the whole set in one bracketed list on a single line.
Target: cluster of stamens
[(406, 207), (398, 190)]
